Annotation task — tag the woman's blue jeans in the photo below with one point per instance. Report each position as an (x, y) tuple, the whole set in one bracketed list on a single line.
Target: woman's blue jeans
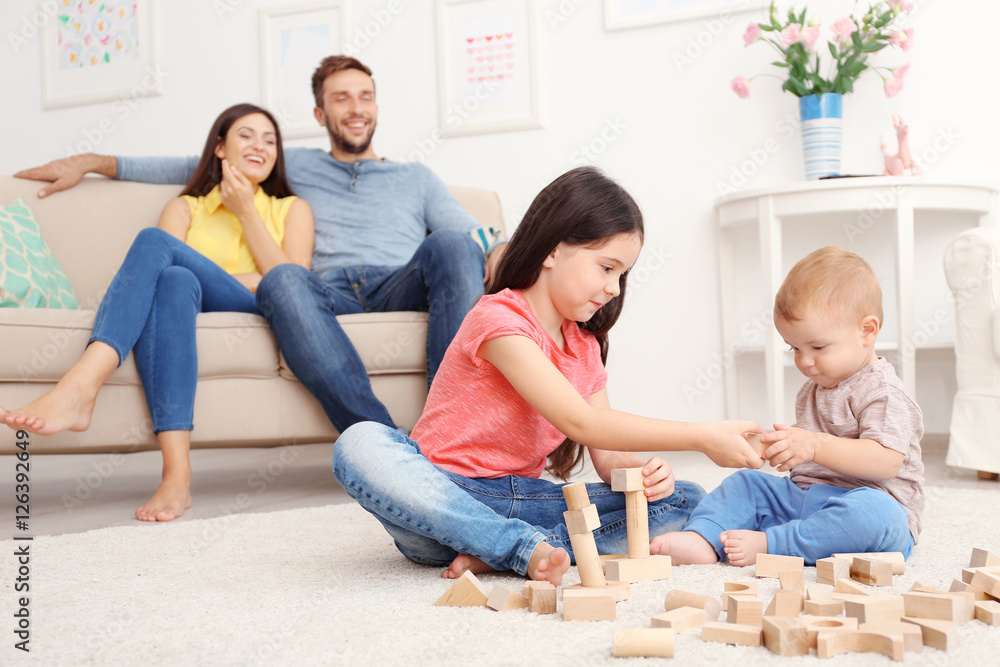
[(151, 306), (814, 522), (433, 514)]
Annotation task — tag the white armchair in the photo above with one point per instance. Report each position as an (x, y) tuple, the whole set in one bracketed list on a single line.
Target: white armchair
[(972, 268)]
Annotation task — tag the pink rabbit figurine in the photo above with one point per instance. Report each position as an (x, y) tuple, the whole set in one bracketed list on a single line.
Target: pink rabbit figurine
[(897, 165)]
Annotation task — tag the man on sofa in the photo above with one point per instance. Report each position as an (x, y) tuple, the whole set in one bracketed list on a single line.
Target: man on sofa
[(389, 236)]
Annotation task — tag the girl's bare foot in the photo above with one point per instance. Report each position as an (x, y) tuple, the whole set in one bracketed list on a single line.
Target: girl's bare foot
[(742, 546), (465, 563), (62, 408), (684, 548), (548, 563), (168, 503)]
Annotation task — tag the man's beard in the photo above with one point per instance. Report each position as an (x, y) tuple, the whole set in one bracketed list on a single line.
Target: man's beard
[(342, 143)]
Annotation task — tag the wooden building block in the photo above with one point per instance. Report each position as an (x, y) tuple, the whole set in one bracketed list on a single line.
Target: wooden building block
[(785, 636), (541, 596), (823, 608), (871, 571), (467, 591), (576, 495), (678, 598), (582, 521), (620, 590), (959, 586), (819, 593), (913, 638), (606, 557), (791, 580), (627, 479), (969, 572), (502, 599), (652, 568), (936, 633), (816, 624), (849, 587), (785, 603), (770, 565), (983, 558), (875, 608), (737, 588), (829, 644), (829, 570), (745, 610), (587, 561), (584, 604), (637, 524), (957, 607), (679, 619), (988, 612), (894, 557), (643, 642), (987, 582), (730, 633)]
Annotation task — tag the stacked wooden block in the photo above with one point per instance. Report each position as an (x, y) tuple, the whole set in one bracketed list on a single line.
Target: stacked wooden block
[(640, 565)]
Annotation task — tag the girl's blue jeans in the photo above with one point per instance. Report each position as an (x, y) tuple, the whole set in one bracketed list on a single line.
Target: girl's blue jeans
[(151, 306), (814, 522), (433, 514)]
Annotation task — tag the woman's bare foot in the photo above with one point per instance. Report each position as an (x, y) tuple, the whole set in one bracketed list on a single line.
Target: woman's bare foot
[(742, 546), (548, 563), (169, 501), (62, 408), (465, 563), (684, 548)]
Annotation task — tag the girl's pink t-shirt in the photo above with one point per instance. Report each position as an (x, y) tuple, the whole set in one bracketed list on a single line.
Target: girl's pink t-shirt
[(474, 422)]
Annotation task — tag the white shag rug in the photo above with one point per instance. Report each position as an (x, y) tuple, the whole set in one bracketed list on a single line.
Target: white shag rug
[(325, 586)]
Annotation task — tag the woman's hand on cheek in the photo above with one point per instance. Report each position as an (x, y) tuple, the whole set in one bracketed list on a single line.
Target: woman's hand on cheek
[(235, 191), (658, 478)]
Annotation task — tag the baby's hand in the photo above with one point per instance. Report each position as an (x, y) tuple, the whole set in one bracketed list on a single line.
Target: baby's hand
[(658, 478), (787, 446)]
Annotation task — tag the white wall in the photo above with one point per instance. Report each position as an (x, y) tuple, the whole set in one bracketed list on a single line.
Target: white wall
[(683, 136)]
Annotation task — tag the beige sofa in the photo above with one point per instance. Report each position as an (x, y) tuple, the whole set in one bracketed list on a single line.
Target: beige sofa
[(246, 395)]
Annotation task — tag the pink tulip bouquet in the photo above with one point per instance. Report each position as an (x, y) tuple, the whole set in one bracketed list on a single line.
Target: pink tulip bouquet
[(852, 40)]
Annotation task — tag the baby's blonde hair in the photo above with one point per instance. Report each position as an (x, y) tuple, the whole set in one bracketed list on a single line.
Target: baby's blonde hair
[(832, 280)]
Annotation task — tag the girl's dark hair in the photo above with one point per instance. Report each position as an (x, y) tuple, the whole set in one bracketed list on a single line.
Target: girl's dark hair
[(208, 173), (583, 207)]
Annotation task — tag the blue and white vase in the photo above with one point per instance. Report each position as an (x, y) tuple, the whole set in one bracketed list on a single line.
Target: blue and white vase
[(822, 127)]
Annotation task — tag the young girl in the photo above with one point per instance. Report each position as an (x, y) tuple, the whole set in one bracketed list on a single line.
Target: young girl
[(239, 220), (523, 381)]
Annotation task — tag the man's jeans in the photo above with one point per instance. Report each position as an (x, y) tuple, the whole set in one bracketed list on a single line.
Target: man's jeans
[(433, 514), (444, 278), (151, 306), (814, 522)]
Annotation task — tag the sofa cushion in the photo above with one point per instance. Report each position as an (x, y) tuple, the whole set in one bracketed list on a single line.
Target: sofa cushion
[(40, 345), (30, 275)]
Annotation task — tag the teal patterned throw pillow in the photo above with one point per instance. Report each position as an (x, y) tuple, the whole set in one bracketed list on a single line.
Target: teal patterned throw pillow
[(30, 275)]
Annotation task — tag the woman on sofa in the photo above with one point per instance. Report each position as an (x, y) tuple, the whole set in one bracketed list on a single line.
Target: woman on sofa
[(235, 220)]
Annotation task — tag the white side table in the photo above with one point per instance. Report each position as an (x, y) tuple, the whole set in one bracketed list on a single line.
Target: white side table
[(898, 199)]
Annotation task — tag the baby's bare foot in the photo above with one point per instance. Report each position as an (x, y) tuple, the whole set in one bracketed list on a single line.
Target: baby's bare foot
[(465, 563), (684, 548), (548, 564), (62, 408), (168, 503), (742, 546)]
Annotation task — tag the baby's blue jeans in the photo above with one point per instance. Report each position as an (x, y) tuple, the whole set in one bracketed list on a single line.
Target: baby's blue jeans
[(814, 522), (433, 514)]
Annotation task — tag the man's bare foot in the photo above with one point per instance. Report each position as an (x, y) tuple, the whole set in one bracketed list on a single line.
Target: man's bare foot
[(684, 548), (548, 563), (465, 563), (742, 546), (168, 503), (62, 408)]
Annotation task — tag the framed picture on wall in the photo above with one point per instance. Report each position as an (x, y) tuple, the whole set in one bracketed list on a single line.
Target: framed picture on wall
[(488, 72), (633, 13), (98, 51), (294, 38)]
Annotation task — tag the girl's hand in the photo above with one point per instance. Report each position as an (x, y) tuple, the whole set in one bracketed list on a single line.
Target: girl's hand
[(788, 446), (658, 478), (236, 192), (727, 447)]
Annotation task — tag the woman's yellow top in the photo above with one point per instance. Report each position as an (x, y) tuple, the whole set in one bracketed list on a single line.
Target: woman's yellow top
[(218, 234)]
